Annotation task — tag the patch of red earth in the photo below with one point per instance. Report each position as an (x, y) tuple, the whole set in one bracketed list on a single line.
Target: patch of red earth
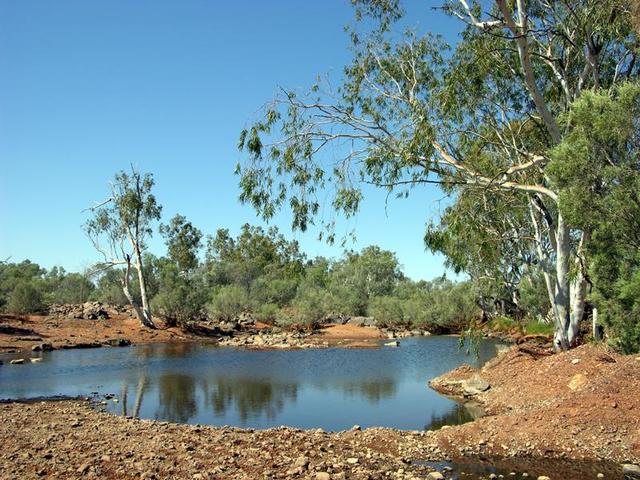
[(350, 336), (18, 333), (584, 403)]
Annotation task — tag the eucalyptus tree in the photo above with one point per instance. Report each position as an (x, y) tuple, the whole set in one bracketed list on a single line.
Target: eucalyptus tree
[(484, 115), (183, 241), (119, 229), (181, 294)]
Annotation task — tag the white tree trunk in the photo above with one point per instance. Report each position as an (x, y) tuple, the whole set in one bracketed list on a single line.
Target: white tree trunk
[(126, 283), (597, 332), (562, 293), (578, 292), (146, 319), (578, 297)]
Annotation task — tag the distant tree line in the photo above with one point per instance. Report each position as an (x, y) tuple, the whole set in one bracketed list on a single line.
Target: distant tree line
[(258, 272)]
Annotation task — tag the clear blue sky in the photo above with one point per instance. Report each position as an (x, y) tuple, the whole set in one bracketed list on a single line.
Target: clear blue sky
[(89, 87)]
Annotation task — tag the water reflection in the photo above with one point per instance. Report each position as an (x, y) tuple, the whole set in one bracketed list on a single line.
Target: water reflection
[(250, 397), (458, 415), (372, 390), (332, 388), (176, 398)]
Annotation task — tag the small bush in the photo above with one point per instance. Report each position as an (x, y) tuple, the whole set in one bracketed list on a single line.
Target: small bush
[(268, 313), (386, 310), (310, 306), (503, 324), (25, 298), (229, 302), (539, 328)]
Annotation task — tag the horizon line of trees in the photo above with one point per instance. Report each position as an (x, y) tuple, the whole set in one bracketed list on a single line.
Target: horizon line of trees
[(258, 272)]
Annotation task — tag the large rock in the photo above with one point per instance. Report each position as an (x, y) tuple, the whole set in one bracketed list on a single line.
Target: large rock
[(87, 310), (474, 386), (631, 472), (118, 342), (94, 311), (42, 347), (362, 321)]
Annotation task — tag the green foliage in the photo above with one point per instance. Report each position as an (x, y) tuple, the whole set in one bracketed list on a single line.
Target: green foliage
[(520, 126), (180, 299), (539, 328), (597, 167), (387, 311), (534, 298), (13, 273), (25, 298), (268, 313), (183, 242), (25, 287), (228, 302), (265, 264), (310, 306), (72, 288), (503, 324), (359, 277)]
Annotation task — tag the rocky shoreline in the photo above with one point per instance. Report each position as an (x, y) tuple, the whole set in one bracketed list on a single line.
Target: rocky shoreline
[(70, 439), (94, 325)]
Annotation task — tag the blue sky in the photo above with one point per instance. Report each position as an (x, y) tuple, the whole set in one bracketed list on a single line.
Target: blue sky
[(89, 87)]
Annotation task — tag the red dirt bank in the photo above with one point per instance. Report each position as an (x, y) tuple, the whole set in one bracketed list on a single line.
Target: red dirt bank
[(581, 404)]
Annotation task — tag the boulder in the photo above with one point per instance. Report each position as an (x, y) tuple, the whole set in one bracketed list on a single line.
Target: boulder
[(435, 476), (631, 472), (118, 342), (474, 386), (362, 321), (395, 343), (94, 311), (42, 347), (17, 361)]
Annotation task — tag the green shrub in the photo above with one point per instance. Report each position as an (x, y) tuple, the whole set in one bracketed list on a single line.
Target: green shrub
[(228, 302), (386, 310), (268, 313), (25, 298), (310, 306), (179, 299), (539, 328), (503, 324)]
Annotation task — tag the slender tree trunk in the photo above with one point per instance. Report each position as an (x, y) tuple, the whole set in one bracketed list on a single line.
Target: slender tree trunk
[(126, 283), (597, 332), (147, 320), (562, 293), (578, 292), (578, 297)]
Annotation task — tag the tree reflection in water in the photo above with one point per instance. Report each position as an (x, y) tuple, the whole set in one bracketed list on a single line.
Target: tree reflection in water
[(372, 390), (458, 415), (251, 397), (176, 397)]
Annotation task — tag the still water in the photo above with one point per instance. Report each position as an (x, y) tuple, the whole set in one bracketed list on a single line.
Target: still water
[(331, 389)]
